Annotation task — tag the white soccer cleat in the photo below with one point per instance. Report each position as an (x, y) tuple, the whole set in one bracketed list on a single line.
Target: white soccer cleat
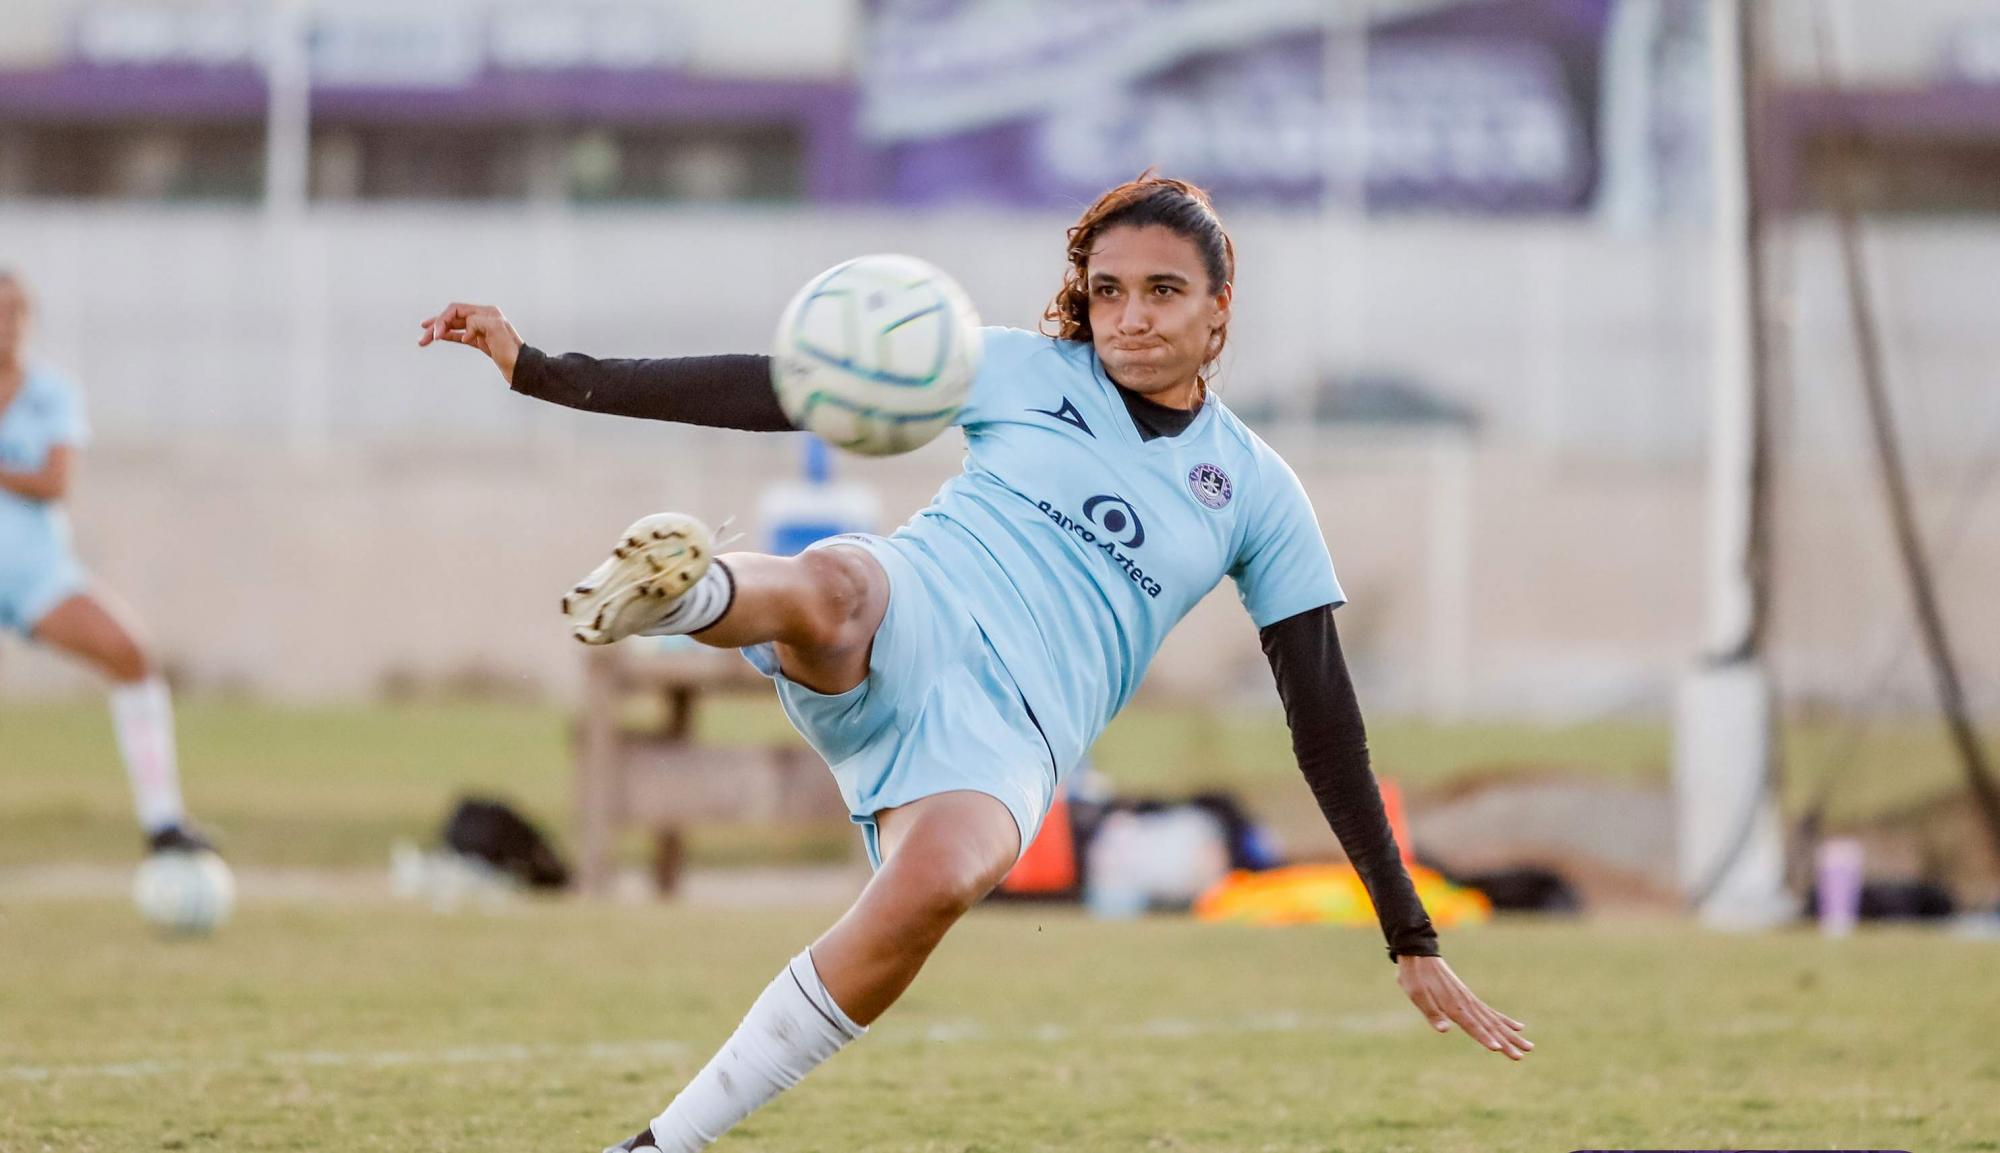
[(658, 559)]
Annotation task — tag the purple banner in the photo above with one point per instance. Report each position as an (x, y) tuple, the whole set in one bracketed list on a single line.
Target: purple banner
[(1490, 107)]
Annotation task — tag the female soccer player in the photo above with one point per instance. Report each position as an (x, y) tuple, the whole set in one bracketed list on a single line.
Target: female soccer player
[(953, 672), (44, 594)]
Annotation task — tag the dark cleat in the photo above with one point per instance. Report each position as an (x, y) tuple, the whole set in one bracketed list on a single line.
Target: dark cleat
[(178, 839), (643, 1143)]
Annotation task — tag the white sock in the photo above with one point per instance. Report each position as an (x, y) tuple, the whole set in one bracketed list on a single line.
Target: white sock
[(700, 606), (791, 1029), (143, 715)]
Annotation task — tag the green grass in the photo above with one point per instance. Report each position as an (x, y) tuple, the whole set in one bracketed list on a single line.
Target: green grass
[(317, 787), (334, 787), (363, 1027)]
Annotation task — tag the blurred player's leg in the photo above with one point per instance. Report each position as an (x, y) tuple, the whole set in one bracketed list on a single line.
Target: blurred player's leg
[(820, 608), (941, 855), (142, 711)]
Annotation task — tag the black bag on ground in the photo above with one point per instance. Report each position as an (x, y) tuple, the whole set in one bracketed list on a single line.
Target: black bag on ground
[(493, 832), (1523, 889)]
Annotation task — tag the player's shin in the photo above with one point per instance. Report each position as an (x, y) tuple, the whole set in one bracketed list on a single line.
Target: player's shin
[(143, 715), (793, 1027)]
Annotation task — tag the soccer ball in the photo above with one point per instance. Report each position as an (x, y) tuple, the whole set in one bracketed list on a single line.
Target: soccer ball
[(186, 894), (876, 355)]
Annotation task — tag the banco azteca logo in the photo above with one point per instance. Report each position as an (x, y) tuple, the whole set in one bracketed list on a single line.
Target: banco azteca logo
[(1116, 516), (1109, 526)]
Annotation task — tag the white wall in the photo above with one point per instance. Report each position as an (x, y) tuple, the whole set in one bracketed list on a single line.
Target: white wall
[(302, 503), (208, 323)]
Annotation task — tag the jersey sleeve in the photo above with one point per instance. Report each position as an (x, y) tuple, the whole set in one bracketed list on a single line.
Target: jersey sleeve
[(1283, 568), (1004, 352), (64, 420)]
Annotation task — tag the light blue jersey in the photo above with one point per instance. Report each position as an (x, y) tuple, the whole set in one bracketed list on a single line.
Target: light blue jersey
[(1027, 600), (1077, 545), (36, 569)]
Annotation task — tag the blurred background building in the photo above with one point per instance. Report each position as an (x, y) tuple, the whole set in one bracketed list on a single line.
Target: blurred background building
[(1473, 302)]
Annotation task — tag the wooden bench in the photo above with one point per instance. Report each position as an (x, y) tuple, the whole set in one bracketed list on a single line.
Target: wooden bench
[(660, 779)]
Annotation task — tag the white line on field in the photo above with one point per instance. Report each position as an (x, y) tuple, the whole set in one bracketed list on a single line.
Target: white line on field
[(936, 1033), (367, 1059), (948, 1032)]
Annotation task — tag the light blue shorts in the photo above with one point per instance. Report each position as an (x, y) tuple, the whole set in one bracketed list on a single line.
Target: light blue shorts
[(32, 585), (937, 712)]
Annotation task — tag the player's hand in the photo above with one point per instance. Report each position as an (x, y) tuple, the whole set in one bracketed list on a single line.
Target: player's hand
[(1444, 1000), (481, 326)]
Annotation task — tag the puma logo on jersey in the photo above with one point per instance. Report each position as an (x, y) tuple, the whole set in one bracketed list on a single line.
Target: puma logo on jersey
[(1069, 416)]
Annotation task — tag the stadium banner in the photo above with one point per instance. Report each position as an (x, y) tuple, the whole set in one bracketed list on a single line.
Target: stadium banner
[(596, 61), (1484, 107), (379, 44)]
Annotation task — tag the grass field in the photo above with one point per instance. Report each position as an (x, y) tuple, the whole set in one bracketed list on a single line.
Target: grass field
[(351, 1023), (561, 1027), (334, 787)]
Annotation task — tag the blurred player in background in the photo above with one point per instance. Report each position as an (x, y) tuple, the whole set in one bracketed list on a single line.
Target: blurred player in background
[(954, 673), (44, 593)]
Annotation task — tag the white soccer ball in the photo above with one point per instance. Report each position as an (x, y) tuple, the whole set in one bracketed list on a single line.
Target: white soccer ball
[(189, 894), (876, 355)]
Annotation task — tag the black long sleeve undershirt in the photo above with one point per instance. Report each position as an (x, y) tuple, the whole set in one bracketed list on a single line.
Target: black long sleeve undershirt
[(1331, 744), (711, 391)]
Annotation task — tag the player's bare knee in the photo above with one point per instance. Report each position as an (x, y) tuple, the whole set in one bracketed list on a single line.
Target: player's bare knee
[(947, 898), (843, 582), (125, 662), (961, 880), (129, 661)]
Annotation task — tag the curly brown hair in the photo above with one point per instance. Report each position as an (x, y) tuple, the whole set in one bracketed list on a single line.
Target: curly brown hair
[(1172, 204)]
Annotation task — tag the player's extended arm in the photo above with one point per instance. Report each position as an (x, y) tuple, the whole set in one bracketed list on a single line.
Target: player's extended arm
[(713, 391), (1331, 744), (47, 483)]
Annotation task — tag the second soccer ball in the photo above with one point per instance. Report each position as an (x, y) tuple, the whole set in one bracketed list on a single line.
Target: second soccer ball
[(184, 893)]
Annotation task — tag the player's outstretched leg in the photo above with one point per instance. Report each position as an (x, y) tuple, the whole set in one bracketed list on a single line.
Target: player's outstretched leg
[(142, 713), (820, 608), (942, 854)]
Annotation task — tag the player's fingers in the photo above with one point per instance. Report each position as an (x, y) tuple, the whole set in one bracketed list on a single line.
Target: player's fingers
[(436, 327), (1428, 1006), (1465, 1011), (1500, 1021), (1505, 1041), (1514, 1028), (1511, 1041), (455, 315), (1476, 1028)]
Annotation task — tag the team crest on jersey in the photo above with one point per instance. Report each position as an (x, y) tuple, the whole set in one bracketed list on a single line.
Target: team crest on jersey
[(1210, 485)]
